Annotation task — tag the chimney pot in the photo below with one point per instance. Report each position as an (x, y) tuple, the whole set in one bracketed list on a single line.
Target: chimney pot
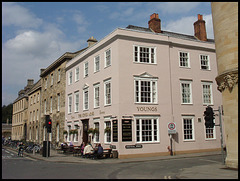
[(155, 23)]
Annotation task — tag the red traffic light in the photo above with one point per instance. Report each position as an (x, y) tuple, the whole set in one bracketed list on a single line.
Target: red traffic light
[(49, 122)]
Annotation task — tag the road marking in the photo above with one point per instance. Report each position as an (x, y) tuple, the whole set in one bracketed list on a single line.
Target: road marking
[(7, 151), (209, 160)]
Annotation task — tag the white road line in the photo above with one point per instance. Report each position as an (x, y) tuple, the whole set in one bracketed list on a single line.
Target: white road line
[(210, 160)]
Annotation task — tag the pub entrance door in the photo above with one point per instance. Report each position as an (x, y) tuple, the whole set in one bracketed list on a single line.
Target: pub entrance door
[(85, 130)]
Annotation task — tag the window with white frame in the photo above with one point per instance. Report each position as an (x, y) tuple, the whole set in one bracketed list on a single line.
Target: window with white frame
[(59, 75), (204, 62), (145, 54), (96, 136), (30, 134), (186, 92), (77, 74), (70, 78), (96, 95), (58, 133), (107, 92), (33, 115), (184, 59), (36, 133), (145, 90), (107, 57), (45, 83), (207, 93), (37, 115), (85, 99), (30, 116), (58, 102), (51, 79), (69, 135), (188, 128), (210, 133), (97, 63), (45, 106), (76, 134), (147, 129), (51, 101), (85, 69), (44, 133), (108, 134), (76, 101), (70, 103)]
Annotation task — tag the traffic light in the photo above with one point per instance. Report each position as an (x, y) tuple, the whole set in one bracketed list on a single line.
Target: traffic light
[(48, 124), (209, 117)]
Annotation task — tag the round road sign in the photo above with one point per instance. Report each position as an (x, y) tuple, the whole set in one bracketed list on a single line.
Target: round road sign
[(171, 126)]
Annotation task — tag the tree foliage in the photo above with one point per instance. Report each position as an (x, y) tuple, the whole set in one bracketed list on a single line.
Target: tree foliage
[(7, 112)]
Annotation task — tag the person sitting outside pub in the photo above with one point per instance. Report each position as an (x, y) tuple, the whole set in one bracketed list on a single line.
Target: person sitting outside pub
[(100, 151), (88, 150), (82, 148)]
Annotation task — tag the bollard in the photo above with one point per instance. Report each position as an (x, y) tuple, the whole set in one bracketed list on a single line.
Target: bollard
[(34, 150)]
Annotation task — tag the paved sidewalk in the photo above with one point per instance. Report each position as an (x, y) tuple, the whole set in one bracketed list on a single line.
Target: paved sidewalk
[(211, 171)]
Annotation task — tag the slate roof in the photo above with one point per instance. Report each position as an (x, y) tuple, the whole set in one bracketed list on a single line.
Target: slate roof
[(168, 33)]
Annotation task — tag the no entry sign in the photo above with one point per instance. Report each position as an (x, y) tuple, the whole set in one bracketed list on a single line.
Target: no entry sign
[(172, 128)]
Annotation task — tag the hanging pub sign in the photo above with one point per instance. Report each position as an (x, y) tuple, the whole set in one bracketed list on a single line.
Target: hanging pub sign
[(126, 130)]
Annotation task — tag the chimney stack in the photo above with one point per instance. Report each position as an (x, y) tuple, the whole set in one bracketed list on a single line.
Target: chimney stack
[(91, 41), (200, 29), (41, 71), (30, 82), (155, 23)]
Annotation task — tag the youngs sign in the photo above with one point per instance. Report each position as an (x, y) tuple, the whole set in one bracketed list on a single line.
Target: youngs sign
[(147, 109)]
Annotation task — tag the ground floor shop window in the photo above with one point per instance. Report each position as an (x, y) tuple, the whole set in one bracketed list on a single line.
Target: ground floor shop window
[(126, 130), (68, 138), (147, 129), (75, 135), (107, 134), (96, 135)]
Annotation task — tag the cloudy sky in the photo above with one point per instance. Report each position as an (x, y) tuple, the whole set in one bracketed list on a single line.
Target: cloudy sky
[(35, 34)]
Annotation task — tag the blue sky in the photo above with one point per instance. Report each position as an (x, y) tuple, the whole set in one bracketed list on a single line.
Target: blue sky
[(35, 34)]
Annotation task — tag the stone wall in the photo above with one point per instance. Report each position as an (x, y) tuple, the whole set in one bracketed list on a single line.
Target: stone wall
[(225, 24)]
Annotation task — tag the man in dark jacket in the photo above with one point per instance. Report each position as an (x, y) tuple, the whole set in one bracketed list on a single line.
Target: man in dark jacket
[(100, 151)]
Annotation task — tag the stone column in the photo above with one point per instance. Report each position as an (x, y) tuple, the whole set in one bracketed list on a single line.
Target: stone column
[(225, 25)]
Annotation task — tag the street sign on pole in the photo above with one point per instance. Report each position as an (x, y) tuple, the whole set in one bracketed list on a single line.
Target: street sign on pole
[(172, 128)]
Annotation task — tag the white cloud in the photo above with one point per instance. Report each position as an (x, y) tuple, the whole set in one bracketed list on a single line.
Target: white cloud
[(185, 25), (81, 21), (209, 25), (14, 14), (177, 7)]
